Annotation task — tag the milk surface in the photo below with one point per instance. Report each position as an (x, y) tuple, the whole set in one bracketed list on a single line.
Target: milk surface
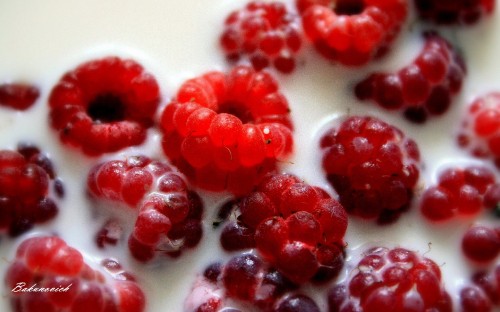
[(40, 40)]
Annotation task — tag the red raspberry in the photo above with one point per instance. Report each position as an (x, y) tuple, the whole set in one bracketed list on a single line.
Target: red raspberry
[(459, 191), (104, 105), (372, 166), (48, 262), (422, 88), (168, 214), (265, 31), (26, 176), (454, 12), (352, 32), (480, 131), (391, 280), (481, 243), (226, 131), (19, 96), (297, 228), (483, 294)]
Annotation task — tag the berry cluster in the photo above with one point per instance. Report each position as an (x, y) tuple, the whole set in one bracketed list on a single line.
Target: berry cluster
[(352, 32), (19, 96), (26, 176), (104, 105), (225, 131), (391, 280), (168, 213), (49, 263), (481, 243), (372, 166), (460, 191), (454, 12), (481, 128), (422, 88), (483, 294), (266, 32), (297, 228)]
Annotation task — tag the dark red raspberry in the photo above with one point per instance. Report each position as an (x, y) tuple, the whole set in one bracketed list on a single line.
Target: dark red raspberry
[(480, 131), (48, 262), (373, 167), (422, 88), (19, 96), (391, 280), (226, 131), (26, 177), (481, 243), (352, 32), (454, 12), (459, 191), (297, 228), (168, 215), (483, 293), (104, 105), (265, 31)]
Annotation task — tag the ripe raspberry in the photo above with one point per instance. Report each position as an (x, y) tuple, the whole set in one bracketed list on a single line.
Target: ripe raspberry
[(481, 243), (19, 96), (422, 88), (483, 294), (226, 131), (454, 12), (26, 176), (480, 131), (104, 105), (48, 262), (168, 214), (352, 32), (372, 166), (265, 31), (297, 228), (459, 191), (391, 280)]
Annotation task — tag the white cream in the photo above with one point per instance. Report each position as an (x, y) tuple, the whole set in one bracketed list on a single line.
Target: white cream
[(177, 40)]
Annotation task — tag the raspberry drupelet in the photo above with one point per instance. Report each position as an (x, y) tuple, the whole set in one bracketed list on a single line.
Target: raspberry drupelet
[(226, 131), (465, 12), (373, 167), (26, 178), (20, 96), (104, 105), (168, 215), (352, 32), (47, 262), (265, 32), (482, 294), (480, 130), (394, 280), (421, 89), (481, 243)]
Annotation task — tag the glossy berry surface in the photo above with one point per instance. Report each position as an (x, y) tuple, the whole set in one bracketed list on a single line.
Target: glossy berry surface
[(19, 96), (297, 228), (373, 167), (423, 88), (167, 214), (265, 32), (464, 12), (104, 105), (352, 32), (480, 131), (482, 293), (481, 243), (26, 178), (225, 131), (48, 262), (460, 191), (391, 280)]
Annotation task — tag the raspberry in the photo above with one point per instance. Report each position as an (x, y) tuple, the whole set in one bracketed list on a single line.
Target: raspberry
[(168, 215), (459, 191), (422, 88), (352, 32), (480, 131), (19, 96), (483, 294), (26, 176), (48, 262), (372, 166), (297, 228), (226, 131), (481, 243), (265, 31), (104, 105), (454, 12), (391, 280)]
